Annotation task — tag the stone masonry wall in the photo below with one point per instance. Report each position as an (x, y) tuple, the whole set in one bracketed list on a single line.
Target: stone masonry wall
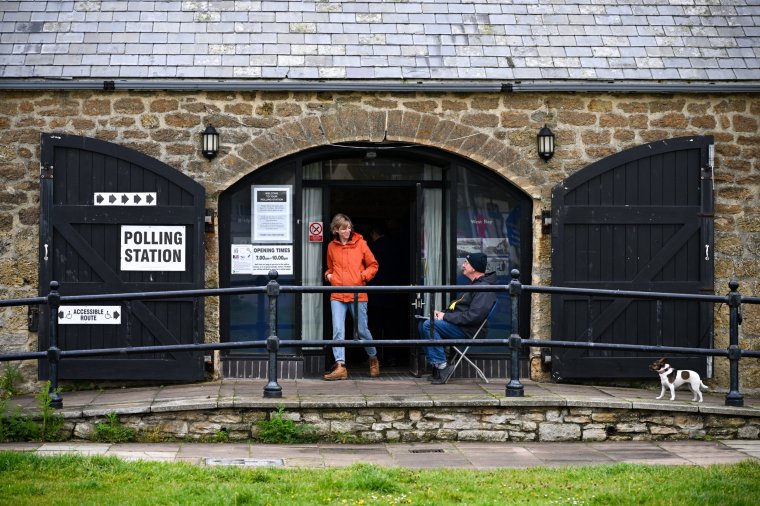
[(376, 425), (495, 130)]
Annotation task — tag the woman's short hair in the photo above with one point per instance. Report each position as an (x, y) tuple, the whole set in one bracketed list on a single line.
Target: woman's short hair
[(338, 221)]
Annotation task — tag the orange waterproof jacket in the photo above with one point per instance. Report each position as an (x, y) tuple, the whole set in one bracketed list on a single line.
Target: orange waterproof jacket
[(351, 264)]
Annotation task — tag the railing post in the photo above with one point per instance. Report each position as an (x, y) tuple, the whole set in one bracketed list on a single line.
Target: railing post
[(272, 388), (356, 316), (734, 397), (514, 387), (53, 352)]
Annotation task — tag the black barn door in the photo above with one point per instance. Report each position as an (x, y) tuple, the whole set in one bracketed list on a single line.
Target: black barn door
[(637, 220), (114, 220)]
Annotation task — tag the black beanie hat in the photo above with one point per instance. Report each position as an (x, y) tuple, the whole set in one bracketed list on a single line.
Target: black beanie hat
[(479, 261)]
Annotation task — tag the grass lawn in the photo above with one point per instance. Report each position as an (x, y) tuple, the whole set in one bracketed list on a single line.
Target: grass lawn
[(30, 479)]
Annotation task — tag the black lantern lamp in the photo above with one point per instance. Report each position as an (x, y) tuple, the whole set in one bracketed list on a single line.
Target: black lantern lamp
[(210, 142), (545, 139)]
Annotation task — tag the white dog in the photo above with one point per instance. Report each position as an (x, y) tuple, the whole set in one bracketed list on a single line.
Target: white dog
[(673, 379)]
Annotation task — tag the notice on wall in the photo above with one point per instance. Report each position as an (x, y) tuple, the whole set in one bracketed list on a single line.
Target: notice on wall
[(242, 259), (89, 315), (277, 257), (153, 248), (316, 231), (272, 213)]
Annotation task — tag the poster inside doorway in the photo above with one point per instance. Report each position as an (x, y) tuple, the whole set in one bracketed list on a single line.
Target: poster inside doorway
[(272, 214)]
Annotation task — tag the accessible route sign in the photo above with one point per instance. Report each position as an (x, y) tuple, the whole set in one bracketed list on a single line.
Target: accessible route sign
[(89, 315), (152, 248)]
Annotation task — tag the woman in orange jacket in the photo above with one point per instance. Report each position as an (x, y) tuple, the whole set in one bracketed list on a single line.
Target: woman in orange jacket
[(349, 263)]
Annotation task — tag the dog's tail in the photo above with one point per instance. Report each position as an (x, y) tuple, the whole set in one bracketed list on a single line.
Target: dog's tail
[(702, 385)]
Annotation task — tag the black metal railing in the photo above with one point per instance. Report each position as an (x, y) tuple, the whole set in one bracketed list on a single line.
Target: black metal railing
[(272, 343)]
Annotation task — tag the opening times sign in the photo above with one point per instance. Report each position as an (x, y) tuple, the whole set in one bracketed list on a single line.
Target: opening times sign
[(153, 248), (259, 259)]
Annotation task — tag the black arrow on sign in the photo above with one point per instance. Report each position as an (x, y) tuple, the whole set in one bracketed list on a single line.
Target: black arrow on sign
[(137, 199), (60, 314), (111, 199), (100, 198), (115, 314), (149, 198), (124, 199)]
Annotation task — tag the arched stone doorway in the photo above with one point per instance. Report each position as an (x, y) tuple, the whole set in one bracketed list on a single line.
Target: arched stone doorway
[(433, 206)]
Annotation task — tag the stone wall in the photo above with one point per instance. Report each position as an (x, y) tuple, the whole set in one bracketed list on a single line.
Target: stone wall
[(376, 425), (495, 130)]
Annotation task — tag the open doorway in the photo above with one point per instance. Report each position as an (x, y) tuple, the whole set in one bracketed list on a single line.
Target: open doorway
[(384, 217)]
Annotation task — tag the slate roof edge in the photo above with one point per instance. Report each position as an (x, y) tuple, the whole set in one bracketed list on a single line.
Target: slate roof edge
[(384, 86)]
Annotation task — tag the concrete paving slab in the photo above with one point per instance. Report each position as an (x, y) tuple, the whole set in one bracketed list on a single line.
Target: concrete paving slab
[(229, 450), (88, 449), (146, 456), (421, 455), (304, 462)]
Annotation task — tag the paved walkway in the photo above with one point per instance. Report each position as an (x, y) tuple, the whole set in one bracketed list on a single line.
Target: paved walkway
[(358, 393), (394, 391), (418, 455)]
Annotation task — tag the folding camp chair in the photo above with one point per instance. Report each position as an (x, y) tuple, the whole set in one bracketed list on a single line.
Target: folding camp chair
[(463, 354)]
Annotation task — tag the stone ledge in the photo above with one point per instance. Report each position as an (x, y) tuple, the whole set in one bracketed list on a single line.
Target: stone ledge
[(459, 422), (662, 406), (466, 402), (598, 403), (337, 403), (119, 409), (532, 401), (381, 402), (729, 410), (182, 405), (265, 403)]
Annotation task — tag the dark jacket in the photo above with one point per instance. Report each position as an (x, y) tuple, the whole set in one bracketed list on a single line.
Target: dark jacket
[(469, 311)]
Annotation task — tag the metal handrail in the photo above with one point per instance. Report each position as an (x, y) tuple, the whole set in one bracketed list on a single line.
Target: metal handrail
[(272, 343)]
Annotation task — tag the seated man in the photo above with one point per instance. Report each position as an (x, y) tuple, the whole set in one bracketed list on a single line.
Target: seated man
[(463, 317)]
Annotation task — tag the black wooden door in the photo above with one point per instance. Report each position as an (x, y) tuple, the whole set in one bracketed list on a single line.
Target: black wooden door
[(637, 220), (109, 215)]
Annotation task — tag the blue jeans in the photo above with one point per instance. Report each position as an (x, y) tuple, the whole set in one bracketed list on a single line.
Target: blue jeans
[(339, 327), (442, 330)]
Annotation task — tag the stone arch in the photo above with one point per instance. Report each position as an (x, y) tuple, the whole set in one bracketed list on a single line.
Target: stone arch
[(352, 124)]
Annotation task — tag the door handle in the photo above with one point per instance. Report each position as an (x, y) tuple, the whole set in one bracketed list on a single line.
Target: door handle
[(46, 253), (707, 252)]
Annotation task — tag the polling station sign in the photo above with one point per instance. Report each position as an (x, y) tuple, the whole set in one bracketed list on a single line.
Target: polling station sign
[(153, 248)]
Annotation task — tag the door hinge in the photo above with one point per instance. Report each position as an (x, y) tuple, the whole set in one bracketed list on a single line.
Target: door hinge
[(46, 171)]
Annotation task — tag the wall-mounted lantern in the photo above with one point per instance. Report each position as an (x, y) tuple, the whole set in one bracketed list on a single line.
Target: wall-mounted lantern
[(545, 140), (210, 142)]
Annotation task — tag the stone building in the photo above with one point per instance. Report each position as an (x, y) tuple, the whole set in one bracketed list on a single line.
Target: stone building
[(418, 117)]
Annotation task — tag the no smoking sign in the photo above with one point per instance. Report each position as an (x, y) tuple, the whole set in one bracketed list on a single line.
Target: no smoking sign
[(315, 231)]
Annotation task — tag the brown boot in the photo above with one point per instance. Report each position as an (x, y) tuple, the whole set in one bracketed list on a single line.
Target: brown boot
[(339, 372), (374, 367)]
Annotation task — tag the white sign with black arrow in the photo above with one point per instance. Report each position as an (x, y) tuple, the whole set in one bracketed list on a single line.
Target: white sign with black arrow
[(89, 315), (124, 199)]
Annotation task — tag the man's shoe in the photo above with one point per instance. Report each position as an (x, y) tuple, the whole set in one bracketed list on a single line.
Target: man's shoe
[(339, 372), (444, 375), (374, 367), (435, 374)]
